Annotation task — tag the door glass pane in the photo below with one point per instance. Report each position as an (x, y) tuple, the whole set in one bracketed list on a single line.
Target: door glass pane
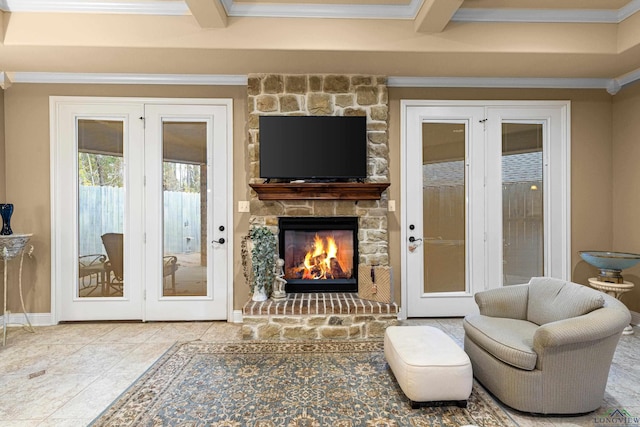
[(443, 184), (522, 199), (100, 208), (184, 264)]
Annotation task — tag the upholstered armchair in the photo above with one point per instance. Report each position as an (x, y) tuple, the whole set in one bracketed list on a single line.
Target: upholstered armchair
[(545, 347)]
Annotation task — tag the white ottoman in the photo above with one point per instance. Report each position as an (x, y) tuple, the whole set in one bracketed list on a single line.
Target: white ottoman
[(429, 366)]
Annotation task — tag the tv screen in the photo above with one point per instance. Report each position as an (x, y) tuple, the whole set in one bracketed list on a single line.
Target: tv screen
[(313, 147)]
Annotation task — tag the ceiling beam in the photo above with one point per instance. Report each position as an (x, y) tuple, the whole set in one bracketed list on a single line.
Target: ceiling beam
[(434, 15), (208, 13), (5, 83), (3, 20)]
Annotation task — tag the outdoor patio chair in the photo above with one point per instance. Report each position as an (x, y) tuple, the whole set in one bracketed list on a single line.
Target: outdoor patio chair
[(91, 272), (114, 244)]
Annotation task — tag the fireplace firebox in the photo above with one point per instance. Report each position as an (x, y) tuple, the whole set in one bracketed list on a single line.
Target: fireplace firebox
[(320, 254)]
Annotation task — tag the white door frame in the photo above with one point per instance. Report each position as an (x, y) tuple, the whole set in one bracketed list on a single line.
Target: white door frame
[(56, 102), (461, 301), (156, 305), (556, 181), (559, 177)]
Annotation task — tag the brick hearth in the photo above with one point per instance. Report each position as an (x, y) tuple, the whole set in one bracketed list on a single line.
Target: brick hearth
[(317, 316)]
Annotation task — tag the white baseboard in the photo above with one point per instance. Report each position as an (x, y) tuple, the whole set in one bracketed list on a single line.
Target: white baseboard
[(46, 319), (635, 318), (36, 319)]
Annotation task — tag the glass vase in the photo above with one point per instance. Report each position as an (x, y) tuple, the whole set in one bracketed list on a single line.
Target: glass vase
[(6, 210)]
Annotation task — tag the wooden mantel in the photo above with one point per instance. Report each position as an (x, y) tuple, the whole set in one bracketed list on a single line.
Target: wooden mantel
[(320, 190)]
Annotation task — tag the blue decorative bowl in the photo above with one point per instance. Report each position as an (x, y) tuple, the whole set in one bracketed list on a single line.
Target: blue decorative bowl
[(615, 261)]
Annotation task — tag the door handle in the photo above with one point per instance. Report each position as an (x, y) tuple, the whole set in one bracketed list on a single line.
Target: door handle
[(414, 243), (220, 240)]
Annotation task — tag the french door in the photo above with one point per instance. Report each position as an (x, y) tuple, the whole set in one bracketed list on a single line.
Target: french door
[(485, 200), (140, 190)]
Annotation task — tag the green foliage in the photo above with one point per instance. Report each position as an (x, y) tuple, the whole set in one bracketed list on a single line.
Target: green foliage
[(100, 170), (181, 177), (244, 252), (263, 258)]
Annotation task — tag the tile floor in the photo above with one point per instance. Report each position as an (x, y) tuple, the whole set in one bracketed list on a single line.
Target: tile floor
[(66, 375)]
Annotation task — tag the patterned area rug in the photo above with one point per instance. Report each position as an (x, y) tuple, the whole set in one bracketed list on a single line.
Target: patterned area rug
[(292, 384)]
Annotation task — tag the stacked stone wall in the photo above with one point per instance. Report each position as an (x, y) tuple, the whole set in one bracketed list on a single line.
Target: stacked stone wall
[(354, 326), (326, 95)]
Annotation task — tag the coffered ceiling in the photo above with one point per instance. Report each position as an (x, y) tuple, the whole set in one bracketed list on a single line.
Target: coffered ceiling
[(583, 40)]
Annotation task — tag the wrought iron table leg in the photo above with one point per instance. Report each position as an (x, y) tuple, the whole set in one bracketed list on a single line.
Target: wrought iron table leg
[(24, 311), (4, 312)]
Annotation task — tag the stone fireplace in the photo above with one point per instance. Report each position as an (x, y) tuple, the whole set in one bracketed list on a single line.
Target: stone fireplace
[(339, 95), (314, 313)]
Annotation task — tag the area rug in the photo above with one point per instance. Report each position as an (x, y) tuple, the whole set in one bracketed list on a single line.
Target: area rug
[(291, 384)]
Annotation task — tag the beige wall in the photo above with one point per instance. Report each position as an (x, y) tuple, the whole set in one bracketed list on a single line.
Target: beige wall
[(27, 168), (2, 161), (626, 178), (27, 165)]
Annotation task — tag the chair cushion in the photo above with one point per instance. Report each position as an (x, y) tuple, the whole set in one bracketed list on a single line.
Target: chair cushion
[(509, 340), (553, 299)]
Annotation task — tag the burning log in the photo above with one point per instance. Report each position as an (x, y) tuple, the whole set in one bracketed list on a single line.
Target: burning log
[(321, 261), (295, 272), (336, 269)]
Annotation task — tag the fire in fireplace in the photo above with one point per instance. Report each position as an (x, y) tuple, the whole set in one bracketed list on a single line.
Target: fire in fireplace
[(320, 254)]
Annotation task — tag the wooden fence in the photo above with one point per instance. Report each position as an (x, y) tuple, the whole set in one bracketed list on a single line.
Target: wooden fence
[(444, 225), (101, 210)]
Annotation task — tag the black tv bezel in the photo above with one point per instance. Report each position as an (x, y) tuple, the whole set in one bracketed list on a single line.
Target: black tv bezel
[(325, 177)]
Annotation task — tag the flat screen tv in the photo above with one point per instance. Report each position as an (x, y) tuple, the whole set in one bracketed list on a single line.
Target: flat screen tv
[(319, 148)]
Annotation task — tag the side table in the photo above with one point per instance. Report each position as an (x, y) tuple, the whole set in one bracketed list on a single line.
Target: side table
[(616, 290), (10, 247)]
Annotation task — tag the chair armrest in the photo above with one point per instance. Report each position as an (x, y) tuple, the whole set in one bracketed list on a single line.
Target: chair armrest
[(87, 260), (170, 259), (596, 325), (509, 301), (170, 265)]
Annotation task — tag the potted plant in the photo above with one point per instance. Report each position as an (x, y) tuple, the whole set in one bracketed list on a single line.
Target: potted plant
[(261, 242)]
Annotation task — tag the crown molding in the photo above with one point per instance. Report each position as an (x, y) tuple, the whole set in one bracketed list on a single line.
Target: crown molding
[(628, 78), (134, 79), (321, 10), (629, 9), (498, 82), (599, 16), (177, 7), (536, 15), (610, 85)]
